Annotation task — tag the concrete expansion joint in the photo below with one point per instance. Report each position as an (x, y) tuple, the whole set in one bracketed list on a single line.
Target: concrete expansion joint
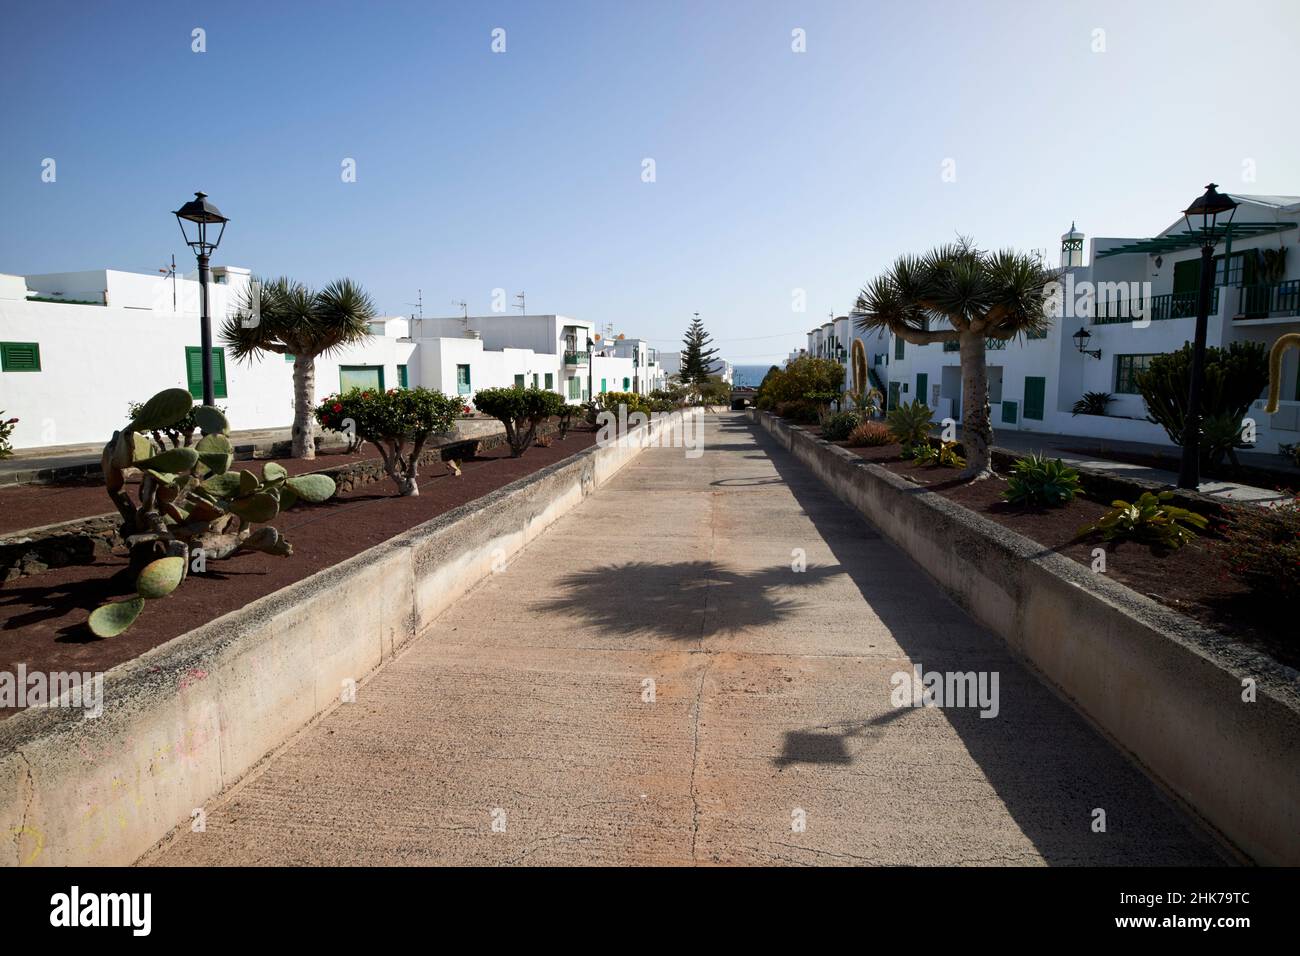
[(27, 804)]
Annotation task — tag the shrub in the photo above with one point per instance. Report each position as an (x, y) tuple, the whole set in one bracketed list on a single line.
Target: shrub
[(910, 423), (1037, 480), (838, 426), (190, 508), (799, 412), (944, 454), (610, 401), (177, 435), (521, 410), (398, 422), (1148, 520), (566, 417), (1092, 403), (6, 429), (813, 382), (1234, 377), (870, 435), (1261, 547)]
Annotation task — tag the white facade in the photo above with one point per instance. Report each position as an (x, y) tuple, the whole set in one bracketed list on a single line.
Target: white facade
[(79, 347), (1033, 383), (461, 355)]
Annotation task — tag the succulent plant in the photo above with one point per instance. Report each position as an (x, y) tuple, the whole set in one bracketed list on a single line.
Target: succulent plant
[(190, 506)]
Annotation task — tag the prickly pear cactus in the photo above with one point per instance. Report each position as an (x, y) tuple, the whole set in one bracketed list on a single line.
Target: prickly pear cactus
[(190, 507)]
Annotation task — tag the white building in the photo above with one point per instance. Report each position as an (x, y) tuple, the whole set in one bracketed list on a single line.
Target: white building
[(461, 355), (671, 364), (1033, 383), (77, 348)]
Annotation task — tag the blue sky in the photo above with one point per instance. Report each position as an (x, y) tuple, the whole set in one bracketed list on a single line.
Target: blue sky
[(774, 170)]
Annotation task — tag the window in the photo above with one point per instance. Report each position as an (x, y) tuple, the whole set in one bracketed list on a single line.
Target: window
[(1009, 413), (899, 346), (288, 358), (952, 346), (627, 383), (575, 387), (194, 371), (550, 381), (376, 328), (519, 381), (603, 389), (20, 356), (1127, 369), (401, 376), (462, 380), (368, 377), (536, 380), (1035, 394)]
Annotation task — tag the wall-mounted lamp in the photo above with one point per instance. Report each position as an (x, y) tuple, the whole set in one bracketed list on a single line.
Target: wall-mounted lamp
[(1081, 340)]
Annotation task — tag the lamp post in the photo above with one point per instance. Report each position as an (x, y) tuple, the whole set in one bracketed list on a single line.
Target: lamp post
[(1202, 218), (202, 214)]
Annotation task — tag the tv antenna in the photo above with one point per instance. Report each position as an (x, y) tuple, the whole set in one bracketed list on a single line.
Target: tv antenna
[(522, 306), (464, 311), (419, 304), (170, 273)]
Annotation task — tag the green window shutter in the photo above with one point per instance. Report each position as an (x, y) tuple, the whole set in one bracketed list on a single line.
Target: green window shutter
[(20, 357), (603, 389), (1187, 276), (519, 381), (218, 373), (462, 380), (627, 383), (550, 380), (194, 371), (1035, 394), (401, 376), (1009, 409), (923, 387), (288, 358), (900, 347)]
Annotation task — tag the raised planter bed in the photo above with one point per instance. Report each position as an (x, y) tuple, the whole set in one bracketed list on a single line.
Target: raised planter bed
[(1166, 689), (187, 719)]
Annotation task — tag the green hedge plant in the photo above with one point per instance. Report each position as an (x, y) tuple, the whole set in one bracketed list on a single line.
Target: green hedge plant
[(1149, 520), (521, 410), (398, 422), (1038, 480)]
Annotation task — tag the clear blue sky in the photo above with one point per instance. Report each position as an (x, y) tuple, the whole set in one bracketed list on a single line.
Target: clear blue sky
[(775, 170)]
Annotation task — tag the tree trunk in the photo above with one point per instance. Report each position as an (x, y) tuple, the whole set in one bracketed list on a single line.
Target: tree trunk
[(304, 400), (977, 427)]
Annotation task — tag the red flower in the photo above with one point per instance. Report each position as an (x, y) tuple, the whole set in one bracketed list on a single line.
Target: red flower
[(337, 407)]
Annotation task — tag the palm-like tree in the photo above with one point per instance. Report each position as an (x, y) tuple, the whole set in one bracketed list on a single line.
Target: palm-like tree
[(287, 318), (958, 293)]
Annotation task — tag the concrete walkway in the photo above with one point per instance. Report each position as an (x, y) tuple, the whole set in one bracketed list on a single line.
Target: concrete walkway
[(766, 737)]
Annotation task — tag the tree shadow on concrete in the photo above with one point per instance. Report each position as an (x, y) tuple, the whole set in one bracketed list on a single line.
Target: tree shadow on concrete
[(683, 600), (1048, 766)]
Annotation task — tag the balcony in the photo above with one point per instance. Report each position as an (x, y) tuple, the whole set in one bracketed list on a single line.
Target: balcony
[(1269, 300), (576, 358), (1171, 305)]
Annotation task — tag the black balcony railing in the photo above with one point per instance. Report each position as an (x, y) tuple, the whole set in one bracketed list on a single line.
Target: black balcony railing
[(1171, 305), (576, 358), (1270, 299)]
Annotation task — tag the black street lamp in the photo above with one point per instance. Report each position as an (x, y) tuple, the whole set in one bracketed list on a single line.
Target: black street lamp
[(1081, 340), (202, 214), (1203, 224)]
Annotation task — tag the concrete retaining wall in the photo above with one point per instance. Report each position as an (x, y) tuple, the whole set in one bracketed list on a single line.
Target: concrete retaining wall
[(1166, 689), (187, 719)]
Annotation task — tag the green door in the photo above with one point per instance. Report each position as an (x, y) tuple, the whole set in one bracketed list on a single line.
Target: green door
[(923, 387), (462, 380), (194, 371), (893, 395), (1009, 413), (1035, 393), (368, 377)]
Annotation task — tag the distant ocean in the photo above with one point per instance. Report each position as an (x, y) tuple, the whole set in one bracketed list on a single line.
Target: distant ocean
[(751, 375)]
